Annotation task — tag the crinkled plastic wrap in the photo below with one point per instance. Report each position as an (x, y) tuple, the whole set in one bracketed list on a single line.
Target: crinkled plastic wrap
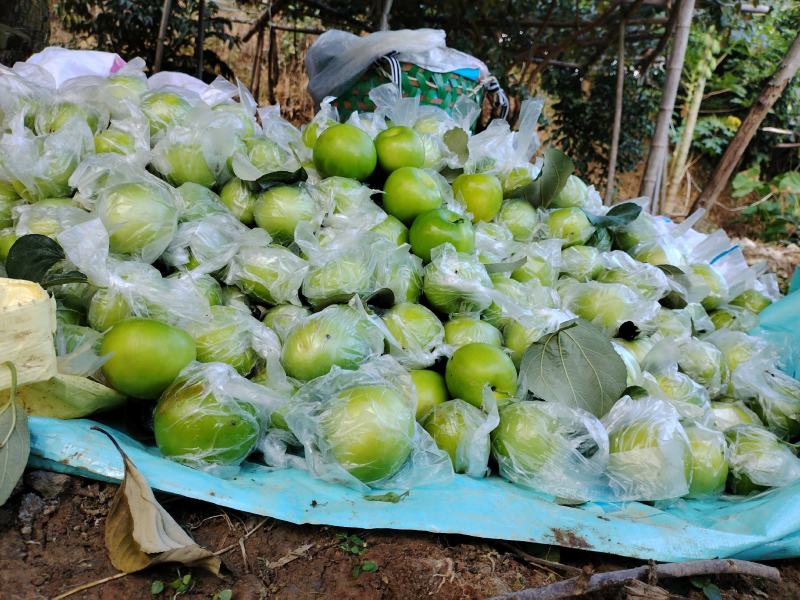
[(552, 448), (455, 282), (734, 318), (208, 244), (210, 418), (607, 305), (709, 451), (649, 455), (704, 363), (632, 367), (234, 337), (414, 335), (759, 459), (619, 267), (47, 217), (462, 430), (688, 397), (358, 428), (542, 262), (339, 335), (78, 350), (401, 272), (196, 201), (728, 413), (514, 300), (139, 211), (494, 242), (774, 395), (581, 262), (269, 272), (41, 166), (283, 317)]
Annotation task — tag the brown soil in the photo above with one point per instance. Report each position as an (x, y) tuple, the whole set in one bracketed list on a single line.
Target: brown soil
[(51, 540)]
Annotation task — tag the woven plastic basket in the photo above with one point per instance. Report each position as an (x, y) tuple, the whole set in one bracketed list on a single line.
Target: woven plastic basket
[(437, 89)]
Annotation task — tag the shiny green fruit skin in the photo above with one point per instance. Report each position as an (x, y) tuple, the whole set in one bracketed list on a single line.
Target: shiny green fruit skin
[(192, 425), (280, 209), (236, 195), (518, 338), (462, 330), (114, 140), (398, 147), (345, 151), (313, 347), (369, 430), (147, 356), (437, 227), (475, 365), (482, 193), (283, 317), (431, 390), (452, 425), (409, 192)]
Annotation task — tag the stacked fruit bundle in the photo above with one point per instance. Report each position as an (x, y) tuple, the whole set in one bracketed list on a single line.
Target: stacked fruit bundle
[(387, 301)]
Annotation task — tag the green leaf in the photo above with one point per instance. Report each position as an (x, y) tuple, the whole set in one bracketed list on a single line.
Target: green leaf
[(618, 216), (369, 566), (15, 443), (32, 256), (601, 239), (712, 592), (552, 179), (356, 571), (790, 182), (635, 391), (671, 270), (53, 279), (576, 366), (223, 595), (280, 178), (387, 497), (746, 182), (156, 587)]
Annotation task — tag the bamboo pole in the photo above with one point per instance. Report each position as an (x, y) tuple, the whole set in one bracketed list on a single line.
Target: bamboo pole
[(166, 9), (615, 129), (201, 36)]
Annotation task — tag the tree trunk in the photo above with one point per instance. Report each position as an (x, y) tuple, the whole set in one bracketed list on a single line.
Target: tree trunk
[(30, 29), (660, 141), (733, 153), (166, 9), (673, 206), (612, 159)]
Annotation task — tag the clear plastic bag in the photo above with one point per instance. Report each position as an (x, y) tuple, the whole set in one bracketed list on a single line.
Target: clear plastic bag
[(196, 202), (552, 448), (759, 460), (619, 267), (269, 272), (48, 217), (283, 317), (454, 282), (581, 262), (338, 335), (462, 430), (632, 367), (689, 398), (709, 451), (650, 456), (358, 428), (78, 350), (401, 272), (729, 413), (542, 262), (704, 363), (607, 305), (211, 417), (414, 335), (774, 396), (209, 244)]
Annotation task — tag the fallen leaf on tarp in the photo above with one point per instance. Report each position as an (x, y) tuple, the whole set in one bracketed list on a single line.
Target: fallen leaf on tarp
[(140, 533), (292, 555), (387, 497)]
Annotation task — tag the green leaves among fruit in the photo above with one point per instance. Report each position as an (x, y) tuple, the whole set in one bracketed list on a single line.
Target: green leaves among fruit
[(336, 336), (481, 193), (146, 356), (571, 225), (709, 461), (398, 147), (430, 389), (459, 429), (552, 178), (369, 431), (520, 218), (272, 274), (409, 192), (461, 330), (345, 151), (279, 209), (237, 196), (141, 218), (201, 422), (476, 365), (436, 227), (163, 109), (416, 334), (576, 366)]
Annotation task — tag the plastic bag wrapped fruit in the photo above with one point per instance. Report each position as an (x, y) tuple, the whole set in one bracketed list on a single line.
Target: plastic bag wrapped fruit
[(759, 460)]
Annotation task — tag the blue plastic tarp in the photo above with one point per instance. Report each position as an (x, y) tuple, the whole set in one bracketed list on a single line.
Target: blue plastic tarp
[(762, 527)]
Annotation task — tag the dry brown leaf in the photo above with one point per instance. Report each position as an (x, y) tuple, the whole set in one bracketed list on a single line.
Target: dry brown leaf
[(292, 555), (140, 533)]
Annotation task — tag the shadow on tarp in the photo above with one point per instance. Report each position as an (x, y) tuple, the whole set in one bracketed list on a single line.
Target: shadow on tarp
[(761, 527)]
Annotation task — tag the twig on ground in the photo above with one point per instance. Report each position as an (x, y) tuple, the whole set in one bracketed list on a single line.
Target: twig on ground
[(244, 537), (90, 585), (577, 586), (548, 565)]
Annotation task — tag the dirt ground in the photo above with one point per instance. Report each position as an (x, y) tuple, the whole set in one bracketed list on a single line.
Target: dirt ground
[(51, 541)]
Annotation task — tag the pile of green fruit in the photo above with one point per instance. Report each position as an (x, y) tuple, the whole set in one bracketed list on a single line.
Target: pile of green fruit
[(384, 302)]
